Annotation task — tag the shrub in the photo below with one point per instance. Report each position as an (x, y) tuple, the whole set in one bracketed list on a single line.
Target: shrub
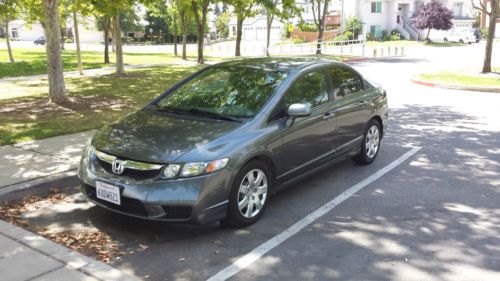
[(341, 38), (349, 35), (369, 37), (68, 40), (307, 27), (395, 37), (484, 32), (354, 25), (298, 41)]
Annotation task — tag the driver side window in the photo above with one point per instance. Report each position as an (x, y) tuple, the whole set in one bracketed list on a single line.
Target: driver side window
[(311, 88)]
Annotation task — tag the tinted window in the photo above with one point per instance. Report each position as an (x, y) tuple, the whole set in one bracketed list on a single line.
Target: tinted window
[(234, 91), (309, 88), (344, 81)]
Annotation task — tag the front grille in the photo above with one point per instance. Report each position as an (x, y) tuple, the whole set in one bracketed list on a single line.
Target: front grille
[(128, 205), (131, 173)]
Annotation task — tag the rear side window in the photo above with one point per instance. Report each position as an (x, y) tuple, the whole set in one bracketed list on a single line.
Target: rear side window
[(311, 88), (345, 82)]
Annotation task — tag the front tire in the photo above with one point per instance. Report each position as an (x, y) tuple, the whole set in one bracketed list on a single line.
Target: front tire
[(249, 194), (371, 143)]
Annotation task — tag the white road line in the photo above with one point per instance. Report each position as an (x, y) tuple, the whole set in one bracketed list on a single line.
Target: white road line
[(267, 246)]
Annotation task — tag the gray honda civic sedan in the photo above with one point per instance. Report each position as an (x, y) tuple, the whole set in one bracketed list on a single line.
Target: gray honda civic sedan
[(219, 143)]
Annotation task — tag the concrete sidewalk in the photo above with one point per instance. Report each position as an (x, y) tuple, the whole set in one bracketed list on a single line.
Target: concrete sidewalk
[(27, 164), (26, 256)]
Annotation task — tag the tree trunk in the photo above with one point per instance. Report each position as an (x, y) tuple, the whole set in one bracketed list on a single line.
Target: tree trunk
[(77, 41), (184, 42), (428, 33), (62, 38), (270, 18), (491, 37), (200, 22), (57, 88), (106, 39), (113, 40), (7, 40), (320, 39), (175, 45), (175, 34), (239, 31), (120, 69), (185, 30)]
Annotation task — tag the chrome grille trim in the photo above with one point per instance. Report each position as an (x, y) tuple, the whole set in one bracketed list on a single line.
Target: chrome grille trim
[(129, 164)]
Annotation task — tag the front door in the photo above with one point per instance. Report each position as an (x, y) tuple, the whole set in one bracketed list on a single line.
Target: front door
[(308, 139)]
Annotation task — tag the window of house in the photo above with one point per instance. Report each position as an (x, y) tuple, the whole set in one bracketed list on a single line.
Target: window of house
[(377, 7), (376, 30), (14, 32)]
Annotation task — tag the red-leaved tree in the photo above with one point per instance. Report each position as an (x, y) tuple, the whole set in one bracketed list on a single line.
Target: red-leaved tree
[(433, 15)]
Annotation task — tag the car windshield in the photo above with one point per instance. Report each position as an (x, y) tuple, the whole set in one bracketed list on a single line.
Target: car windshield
[(232, 91)]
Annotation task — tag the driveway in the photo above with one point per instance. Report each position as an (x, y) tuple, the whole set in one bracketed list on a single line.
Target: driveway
[(434, 215)]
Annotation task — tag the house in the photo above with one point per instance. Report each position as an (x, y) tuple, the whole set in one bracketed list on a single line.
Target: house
[(254, 29), (23, 31), (379, 15)]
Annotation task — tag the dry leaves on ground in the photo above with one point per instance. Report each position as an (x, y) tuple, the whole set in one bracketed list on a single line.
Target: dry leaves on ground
[(96, 244)]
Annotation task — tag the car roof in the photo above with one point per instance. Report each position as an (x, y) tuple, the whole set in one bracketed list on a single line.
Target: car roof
[(284, 64)]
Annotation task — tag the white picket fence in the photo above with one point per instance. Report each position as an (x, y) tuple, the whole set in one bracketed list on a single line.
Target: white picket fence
[(357, 48)]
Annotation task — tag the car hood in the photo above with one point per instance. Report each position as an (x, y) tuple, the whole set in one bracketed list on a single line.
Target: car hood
[(156, 137)]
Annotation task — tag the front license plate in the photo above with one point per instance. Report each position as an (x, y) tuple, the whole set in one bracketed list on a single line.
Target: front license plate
[(108, 192)]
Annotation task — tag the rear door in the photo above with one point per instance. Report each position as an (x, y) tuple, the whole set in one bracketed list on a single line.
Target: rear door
[(349, 107)]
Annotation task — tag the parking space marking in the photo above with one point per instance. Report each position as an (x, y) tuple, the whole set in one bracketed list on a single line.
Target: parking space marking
[(270, 244)]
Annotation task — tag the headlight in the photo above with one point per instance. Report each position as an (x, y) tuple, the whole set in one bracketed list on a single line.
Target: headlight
[(171, 171), (198, 168)]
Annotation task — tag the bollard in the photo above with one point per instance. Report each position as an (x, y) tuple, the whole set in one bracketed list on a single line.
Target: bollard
[(381, 52), (396, 51), (351, 51), (388, 51), (375, 52), (363, 50), (402, 51)]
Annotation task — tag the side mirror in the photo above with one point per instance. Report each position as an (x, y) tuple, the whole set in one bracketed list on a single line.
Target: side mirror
[(299, 110)]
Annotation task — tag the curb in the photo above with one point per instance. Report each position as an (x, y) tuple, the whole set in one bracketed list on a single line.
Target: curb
[(70, 259), (455, 86), (39, 186)]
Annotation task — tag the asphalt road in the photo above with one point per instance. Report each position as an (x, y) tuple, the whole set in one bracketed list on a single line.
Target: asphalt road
[(435, 216)]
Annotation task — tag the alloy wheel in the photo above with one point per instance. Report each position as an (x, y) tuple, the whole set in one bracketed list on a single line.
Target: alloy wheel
[(252, 193), (372, 141)]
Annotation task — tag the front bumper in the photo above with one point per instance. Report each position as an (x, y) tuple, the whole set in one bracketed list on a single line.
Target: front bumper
[(198, 200)]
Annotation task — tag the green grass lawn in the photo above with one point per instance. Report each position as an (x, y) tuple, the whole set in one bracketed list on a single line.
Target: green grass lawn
[(33, 61), (465, 79), (110, 97), (443, 44)]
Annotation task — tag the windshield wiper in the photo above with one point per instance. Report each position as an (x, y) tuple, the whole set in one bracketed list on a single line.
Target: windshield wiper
[(212, 114), (199, 111)]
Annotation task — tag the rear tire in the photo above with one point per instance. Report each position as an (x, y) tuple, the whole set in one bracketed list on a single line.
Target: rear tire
[(371, 143), (249, 194)]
